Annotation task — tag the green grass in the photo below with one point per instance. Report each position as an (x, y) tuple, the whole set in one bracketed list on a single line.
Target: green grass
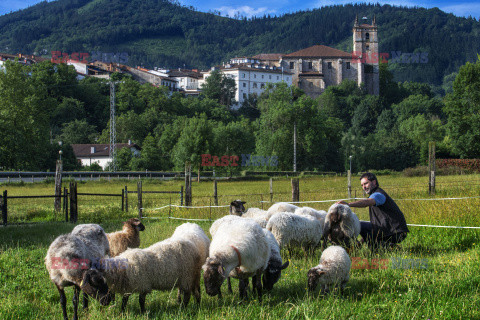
[(447, 289)]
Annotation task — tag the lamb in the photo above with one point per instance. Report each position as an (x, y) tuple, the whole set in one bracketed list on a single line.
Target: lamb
[(128, 237), (237, 207), (171, 263), (68, 258), (238, 249), (333, 270), (291, 229), (274, 269), (341, 225)]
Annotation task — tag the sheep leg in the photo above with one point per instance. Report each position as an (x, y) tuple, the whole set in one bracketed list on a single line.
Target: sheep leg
[(186, 297), (242, 288), (63, 302), (179, 296), (141, 301), (124, 302), (257, 282), (85, 301), (76, 292), (196, 289), (229, 285)]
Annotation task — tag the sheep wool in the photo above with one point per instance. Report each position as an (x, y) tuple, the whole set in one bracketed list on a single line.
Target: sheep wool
[(194, 233), (128, 237), (333, 270), (260, 216), (347, 221)]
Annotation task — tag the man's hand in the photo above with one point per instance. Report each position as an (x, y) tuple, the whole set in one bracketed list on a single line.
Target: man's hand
[(341, 202)]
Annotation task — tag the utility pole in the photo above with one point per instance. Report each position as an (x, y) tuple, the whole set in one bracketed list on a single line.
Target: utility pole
[(113, 129), (295, 146)]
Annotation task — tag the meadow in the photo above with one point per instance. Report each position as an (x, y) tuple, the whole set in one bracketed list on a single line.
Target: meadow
[(445, 285)]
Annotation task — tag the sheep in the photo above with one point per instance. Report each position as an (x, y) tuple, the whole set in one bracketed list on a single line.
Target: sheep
[(128, 237), (274, 268), (291, 229), (260, 216), (238, 249), (68, 258), (237, 208), (217, 223), (171, 263), (341, 225), (194, 233), (318, 214), (281, 207), (333, 270)]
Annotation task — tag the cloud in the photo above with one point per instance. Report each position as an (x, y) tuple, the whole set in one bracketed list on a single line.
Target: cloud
[(246, 11)]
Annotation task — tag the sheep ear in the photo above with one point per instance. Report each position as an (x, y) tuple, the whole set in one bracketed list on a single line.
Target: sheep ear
[(285, 265), (221, 270), (320, 272)]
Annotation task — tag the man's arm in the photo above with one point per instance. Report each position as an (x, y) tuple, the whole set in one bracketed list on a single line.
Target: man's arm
[(360, 203)]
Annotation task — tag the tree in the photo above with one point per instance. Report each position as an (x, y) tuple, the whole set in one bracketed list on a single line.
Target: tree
[(463, 110), (78, 131), (219, 87)]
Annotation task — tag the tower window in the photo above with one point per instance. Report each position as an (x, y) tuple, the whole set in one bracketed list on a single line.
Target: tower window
[(367, 36), (348, 65), (329, 65), (292, 65), (310, 65)]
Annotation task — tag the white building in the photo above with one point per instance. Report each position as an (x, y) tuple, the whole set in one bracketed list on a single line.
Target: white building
[(188, 80), (88, 154), (251, 78)]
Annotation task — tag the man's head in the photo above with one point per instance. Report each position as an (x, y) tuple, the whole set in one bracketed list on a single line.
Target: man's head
[(369, 182)]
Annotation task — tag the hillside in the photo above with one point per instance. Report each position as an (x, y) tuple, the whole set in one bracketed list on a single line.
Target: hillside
[(164, 34)]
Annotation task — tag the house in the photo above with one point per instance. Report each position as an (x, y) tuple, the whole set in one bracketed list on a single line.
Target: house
[(88, 154), (250, 77), (188, 80), (319, 66)]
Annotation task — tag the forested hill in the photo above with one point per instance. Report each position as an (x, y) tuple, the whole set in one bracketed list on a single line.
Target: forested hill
[(165, 34)]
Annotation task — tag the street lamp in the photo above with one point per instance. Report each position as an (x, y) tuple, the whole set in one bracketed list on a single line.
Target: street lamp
[(60, 151)]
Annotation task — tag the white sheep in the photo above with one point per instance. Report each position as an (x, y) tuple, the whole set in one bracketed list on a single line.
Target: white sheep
[(341, 225), (238, 249), (291, 229), (70, 256), (318, 214), (275, 265), (260, 216), (281, 207), (165, 265), (333, 270), (217, 223), (194, 233), (128, 237)]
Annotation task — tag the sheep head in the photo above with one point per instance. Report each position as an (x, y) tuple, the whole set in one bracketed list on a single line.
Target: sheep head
[(272, 275), (237, 208), (135, 223), (314, 276), (213, 276), (95, 285)]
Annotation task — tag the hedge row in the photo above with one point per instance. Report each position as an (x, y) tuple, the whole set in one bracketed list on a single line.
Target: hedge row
[(467, 164)]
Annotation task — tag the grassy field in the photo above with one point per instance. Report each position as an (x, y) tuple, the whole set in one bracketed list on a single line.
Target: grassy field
[(447, 287)]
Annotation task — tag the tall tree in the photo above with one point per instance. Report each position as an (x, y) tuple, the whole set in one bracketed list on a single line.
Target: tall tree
[(219, 87)]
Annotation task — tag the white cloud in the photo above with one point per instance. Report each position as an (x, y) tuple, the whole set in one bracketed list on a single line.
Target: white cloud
[(246, 11)]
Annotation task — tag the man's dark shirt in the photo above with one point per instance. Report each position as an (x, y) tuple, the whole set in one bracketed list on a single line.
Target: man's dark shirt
[(387, 217)]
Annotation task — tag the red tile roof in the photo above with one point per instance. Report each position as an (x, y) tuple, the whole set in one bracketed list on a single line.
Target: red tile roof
[(101, 150), (319, 51)]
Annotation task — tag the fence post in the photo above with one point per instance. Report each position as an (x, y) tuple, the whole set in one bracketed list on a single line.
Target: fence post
[(181, 195), (188, 185), (58, 185), (65, 203), (140, 202), (349, 175), (295, 190), (73, 202), (215, 196), (271, 189), (123, 199), (126, 199), (4, 208), (431, 167)]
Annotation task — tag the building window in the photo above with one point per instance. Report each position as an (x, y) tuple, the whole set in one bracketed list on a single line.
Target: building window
[(254, 84), (262, 85), (367, 36), (270, 76), (255, 76), (262, 76), (292, 65), (244, 96), (367, 47), (310, 84), (348, 65), (329, 65), (243, 75), (310, 65), (278, 77), (244, 85)]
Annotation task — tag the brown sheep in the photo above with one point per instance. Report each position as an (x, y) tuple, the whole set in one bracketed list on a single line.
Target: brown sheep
[(129, 237)]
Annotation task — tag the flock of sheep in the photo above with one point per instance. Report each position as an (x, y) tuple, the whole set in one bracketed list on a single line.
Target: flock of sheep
[(244, 245)]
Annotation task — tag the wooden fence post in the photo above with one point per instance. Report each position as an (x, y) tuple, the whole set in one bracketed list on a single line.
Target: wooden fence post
[(295, 190), (181, 195), (349, 174), (4, 208), (140, 200), (58, 185), (65, 203), (431, 167), (126, 199), (188, 185), (271, 189), (123, 199), (73, 202), (215, 196)]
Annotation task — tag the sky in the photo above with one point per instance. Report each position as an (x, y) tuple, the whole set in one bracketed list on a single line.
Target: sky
[(251, 8)]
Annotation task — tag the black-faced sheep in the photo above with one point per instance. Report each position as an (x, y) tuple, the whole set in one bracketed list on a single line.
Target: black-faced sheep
[(169, 264), (238, 249), (237, 207), (333, 270), (70, 256), (275, 265), (128, 237)]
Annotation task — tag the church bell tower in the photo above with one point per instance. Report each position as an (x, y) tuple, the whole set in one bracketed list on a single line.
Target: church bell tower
[(365, 49)]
